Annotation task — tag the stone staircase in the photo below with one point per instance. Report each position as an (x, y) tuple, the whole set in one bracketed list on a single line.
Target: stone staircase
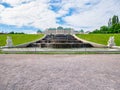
[(59, 41)]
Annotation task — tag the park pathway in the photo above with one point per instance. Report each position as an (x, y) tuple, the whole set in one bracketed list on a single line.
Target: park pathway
[(59, 72)]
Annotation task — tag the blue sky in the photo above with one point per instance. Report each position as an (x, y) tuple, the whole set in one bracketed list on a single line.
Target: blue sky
[(30, 15)]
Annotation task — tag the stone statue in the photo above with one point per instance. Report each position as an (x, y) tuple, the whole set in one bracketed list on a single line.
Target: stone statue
[(9, 42), (111, 42)]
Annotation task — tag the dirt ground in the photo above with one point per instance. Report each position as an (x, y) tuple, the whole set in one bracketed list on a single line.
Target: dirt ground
[(59, 72)]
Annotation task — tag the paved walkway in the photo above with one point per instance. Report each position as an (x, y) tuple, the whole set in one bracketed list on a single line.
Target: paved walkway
[(59, 72)]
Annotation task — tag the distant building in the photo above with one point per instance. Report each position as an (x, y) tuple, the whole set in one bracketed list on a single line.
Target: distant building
[(87, 32), (59, 30), (76, 32)]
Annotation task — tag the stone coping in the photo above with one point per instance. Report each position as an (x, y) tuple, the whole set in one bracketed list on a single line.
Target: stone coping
[(60, 50)]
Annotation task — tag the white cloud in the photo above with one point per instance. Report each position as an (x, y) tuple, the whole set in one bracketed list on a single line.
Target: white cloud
[(96, 16), (77, 4), (1, 8), (16, 2), (36, 13)]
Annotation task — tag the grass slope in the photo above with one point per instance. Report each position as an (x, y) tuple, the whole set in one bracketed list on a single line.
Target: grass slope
[(19, 38), (100, 38)]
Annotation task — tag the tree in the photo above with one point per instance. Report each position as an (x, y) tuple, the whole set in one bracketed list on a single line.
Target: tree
[(81, 31), (104, 29), (110, 30), (116, 28), (115, 20), (19, 33), (96, 31), (113, 26), (12, 32), (39, 31)]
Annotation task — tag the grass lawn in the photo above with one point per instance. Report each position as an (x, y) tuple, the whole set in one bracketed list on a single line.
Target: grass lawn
[(100, 38), (19, 38)]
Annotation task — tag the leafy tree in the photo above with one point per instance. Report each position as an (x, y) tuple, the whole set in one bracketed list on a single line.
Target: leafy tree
[(19, 33), (12, 32), (81, 31), (115, 20), (115, 28), (104, 29), (110, 30), (96, 31)]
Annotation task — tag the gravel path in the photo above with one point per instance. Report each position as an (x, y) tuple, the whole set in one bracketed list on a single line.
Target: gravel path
[(59, 72)]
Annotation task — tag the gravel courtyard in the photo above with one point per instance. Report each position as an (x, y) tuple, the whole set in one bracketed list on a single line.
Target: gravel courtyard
[(59, 72)]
